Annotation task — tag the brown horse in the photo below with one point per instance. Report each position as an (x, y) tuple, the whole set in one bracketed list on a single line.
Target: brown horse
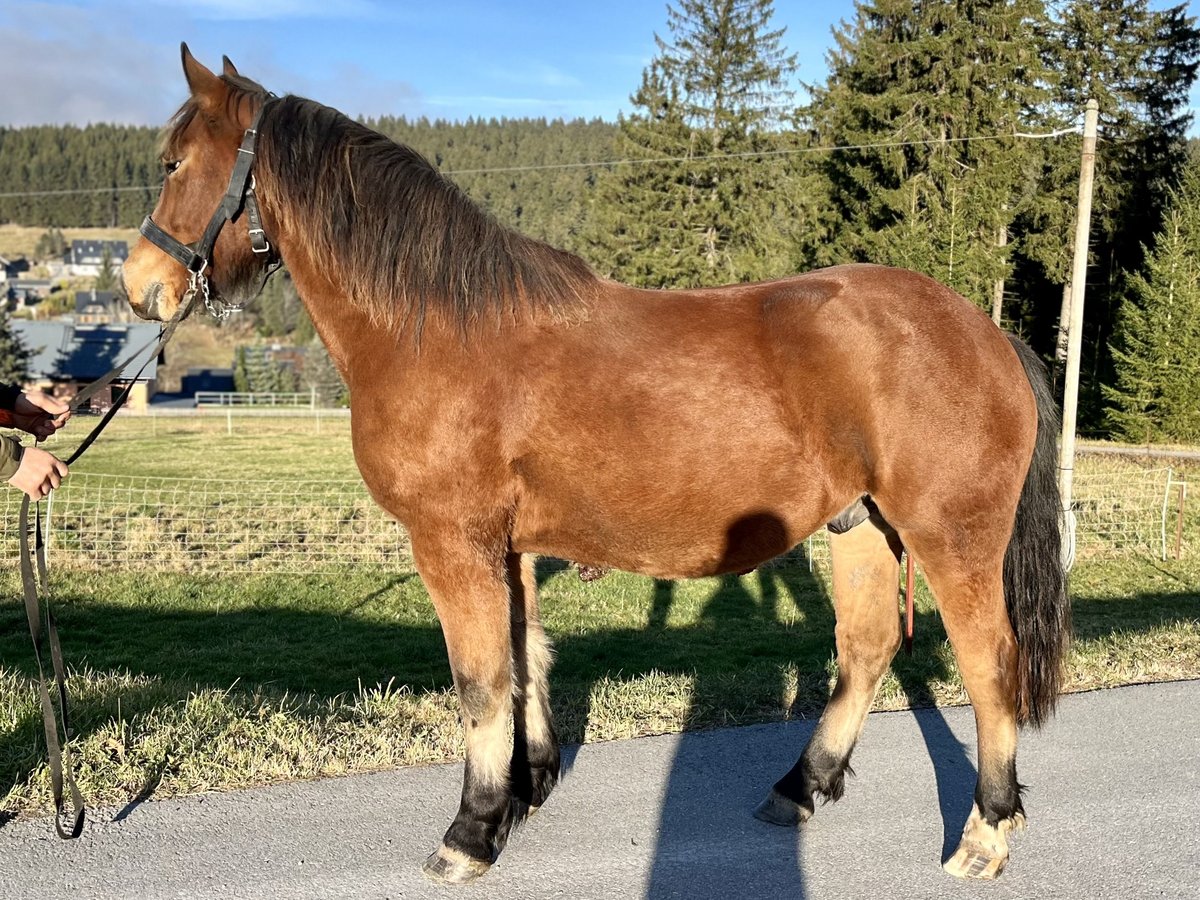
[(507, 402)]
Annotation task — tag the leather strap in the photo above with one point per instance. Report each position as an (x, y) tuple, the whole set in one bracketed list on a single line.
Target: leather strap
[(35, 584), (238, 195)]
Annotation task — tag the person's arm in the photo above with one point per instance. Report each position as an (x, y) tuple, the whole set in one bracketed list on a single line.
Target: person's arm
[(10, 457), (8, 395), (31, 469)]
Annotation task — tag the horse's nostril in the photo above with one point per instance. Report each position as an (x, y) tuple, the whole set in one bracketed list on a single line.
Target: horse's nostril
[(151, 294)]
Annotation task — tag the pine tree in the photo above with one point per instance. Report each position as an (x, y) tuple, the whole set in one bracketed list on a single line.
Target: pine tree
[(1139, 65), (241, 371), (322, 377), (14, 355), (939, 85), (106, 279), (1156, 348), (50, 245), (710, 101)]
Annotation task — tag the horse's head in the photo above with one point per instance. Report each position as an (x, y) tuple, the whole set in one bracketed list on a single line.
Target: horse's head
[(198, 153)]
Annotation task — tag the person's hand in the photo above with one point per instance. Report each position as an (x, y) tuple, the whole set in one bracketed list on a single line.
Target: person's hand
[(39, 414), (40, 472)]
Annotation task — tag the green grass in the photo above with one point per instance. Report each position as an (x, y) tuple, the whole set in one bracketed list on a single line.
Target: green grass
[(184, 684), (197, 684)]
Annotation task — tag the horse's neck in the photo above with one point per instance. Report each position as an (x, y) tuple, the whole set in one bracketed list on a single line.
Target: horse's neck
[(339, 323)]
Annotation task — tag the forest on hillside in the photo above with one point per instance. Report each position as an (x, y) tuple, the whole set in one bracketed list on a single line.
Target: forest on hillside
[(944, 139)]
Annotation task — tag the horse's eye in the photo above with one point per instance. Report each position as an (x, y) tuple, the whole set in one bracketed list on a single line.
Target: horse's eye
[(171, 165)]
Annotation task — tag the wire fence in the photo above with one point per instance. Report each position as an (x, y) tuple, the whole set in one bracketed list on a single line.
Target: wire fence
[(227, 526), (1119, 513), (202, 525)]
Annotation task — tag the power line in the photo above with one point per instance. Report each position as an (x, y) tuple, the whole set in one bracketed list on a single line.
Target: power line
[(106, 190), (603, 164), (750, 154)]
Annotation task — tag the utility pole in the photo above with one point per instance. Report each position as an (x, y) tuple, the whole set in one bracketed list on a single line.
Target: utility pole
[(1083, 219), (998, 284)]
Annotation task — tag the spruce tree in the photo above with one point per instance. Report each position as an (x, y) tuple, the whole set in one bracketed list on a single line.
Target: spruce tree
[(106, 279), (1156, 349), (1138, 64), (939, 86), (711, 102), (14, 355)]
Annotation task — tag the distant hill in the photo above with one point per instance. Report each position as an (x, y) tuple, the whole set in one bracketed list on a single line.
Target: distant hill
[(116, 171)]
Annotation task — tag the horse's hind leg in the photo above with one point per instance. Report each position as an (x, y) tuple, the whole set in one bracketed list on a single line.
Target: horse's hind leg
[(535, 759), (865, 580), (970, 597), (469, 589)]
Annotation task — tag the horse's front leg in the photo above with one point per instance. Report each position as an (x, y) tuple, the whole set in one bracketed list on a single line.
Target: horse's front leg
[(467, 581)]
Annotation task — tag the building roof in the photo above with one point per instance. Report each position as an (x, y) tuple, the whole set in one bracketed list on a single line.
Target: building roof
[(66, 351), (84, 300), (85, 252)]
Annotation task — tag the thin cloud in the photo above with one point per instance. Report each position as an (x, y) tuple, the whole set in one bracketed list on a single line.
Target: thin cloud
[(240, 10), (65, 71)]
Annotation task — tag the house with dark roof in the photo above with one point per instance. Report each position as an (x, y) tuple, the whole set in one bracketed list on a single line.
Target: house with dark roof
[(98, 307), (68, 355), (25, 293), (13, 268), (85, 258)]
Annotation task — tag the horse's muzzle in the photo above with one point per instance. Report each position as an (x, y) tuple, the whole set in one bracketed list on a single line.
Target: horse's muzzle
[(151, 295)]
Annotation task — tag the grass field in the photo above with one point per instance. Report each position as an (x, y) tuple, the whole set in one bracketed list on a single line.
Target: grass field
[(196, 683), (20, 240)]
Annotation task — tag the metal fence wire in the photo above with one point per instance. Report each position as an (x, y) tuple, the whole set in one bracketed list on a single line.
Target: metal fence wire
[(221, 526), (1117, 514), (201, 525)]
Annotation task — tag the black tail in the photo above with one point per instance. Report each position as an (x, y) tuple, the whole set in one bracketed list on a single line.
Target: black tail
[(1035, 584)]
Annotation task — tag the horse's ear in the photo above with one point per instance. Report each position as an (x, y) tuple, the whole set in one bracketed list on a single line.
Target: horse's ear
[(201, 81), (230, 68)]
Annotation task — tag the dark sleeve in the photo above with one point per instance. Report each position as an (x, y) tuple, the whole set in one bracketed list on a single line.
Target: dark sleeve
[(10, 457), (8, 395)]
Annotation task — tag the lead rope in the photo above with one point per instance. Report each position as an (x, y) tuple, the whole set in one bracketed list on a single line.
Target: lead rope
[(35, 583)]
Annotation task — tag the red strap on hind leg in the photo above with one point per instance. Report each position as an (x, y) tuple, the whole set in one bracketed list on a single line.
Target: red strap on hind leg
[(908, 604)]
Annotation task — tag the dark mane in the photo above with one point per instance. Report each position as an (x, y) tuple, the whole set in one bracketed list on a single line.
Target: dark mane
[(402, 238)]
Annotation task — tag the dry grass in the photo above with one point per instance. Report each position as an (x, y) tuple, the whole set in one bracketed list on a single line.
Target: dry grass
[(203, 344), (20, 240)]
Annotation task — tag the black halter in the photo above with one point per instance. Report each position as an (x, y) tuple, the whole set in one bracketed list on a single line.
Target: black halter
[(197, 257)]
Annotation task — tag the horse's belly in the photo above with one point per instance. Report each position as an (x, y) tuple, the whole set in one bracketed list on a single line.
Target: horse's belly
[(673, 530)]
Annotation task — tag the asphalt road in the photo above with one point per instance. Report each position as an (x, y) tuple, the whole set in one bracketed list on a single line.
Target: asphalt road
[(1113, 801)]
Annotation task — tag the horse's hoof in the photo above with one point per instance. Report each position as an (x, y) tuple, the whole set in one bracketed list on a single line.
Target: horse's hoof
[(779, 810), (983, 851), (448, 866), (972, 860)]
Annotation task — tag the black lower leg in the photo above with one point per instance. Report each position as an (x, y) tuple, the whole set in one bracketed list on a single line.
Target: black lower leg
[(484, 818), (535, 769), (998, 794), (818, 772)]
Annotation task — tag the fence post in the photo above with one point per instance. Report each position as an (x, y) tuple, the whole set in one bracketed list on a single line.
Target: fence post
[(1179, 521), (1083, 217)]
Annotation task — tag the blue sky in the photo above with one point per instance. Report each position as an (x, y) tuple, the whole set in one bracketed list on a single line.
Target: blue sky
[(118, 61)]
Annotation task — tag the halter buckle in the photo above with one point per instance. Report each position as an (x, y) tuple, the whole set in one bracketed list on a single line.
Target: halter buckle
[(254, 242)]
